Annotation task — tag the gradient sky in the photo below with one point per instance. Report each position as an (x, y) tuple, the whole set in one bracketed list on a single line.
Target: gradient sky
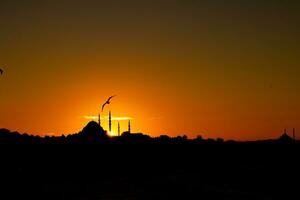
[(213, 68)]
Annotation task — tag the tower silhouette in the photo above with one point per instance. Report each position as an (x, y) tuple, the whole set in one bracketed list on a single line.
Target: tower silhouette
[(109, 122), (118, 128), (294, 134), (129, 127), (99, 120)]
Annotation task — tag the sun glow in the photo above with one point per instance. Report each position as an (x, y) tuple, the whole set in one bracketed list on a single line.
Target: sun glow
[(111, 134), (92, 117), (119, 121)]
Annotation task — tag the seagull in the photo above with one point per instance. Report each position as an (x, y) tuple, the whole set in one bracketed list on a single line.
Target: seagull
[(1, 71), (107, 102)]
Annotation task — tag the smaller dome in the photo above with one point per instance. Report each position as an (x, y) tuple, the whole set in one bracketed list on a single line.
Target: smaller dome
[(285, 138)]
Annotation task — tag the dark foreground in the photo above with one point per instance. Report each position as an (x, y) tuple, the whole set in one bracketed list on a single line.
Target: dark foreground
[(220, 171)]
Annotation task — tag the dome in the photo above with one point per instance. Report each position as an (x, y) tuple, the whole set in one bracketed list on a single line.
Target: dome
[(93, 131)]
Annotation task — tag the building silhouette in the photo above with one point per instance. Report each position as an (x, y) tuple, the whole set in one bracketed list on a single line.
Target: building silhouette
[(129, 127), (285, 138), (118, 128), (99, 119), (294, 134), (92, 132), (109, 122)]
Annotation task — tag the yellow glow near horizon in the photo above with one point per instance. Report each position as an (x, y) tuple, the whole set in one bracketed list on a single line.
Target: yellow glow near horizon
[(123, 121), (112, 133), (91, 117)]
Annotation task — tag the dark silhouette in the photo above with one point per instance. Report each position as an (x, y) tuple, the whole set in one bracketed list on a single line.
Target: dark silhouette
[(107, 102), (1, 71), (99, 119), (118, 128), (92, 165), (129, 127), (109, 121), (285, 138), (93, 132), (294, 134)]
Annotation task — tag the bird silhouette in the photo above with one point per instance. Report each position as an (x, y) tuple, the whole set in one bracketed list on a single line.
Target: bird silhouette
[(107, 102), (1, 71)]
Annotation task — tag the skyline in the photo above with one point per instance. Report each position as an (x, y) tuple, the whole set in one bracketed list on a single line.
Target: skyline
[(116, 126), (210, 68)]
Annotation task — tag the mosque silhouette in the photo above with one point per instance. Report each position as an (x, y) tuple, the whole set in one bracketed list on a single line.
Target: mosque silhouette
[(102, 132)]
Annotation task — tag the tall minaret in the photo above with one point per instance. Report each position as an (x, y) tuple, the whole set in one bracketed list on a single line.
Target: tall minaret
[(294, 134), (129, 128), (118, 128), (99, 120), (109, 122)]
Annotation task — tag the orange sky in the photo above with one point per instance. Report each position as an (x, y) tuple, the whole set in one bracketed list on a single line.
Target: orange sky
[(214, 69)]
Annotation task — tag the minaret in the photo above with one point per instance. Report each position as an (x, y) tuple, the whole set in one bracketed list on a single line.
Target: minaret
[(285, 131), (129, 128), (99, 120), (294, 134), (118, 128), (109, 122)]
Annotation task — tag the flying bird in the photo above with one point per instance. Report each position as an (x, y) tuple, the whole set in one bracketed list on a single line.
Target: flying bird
[(107, 102), (1, 71)]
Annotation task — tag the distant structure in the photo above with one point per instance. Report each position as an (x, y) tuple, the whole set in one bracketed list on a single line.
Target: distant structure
[(294, 134), (285, 138), (109, 122), (129, 127), (92, 132), (99, 120), (118, 128)]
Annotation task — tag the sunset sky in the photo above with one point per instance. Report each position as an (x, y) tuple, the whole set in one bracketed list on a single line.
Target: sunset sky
[(214, 68)]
